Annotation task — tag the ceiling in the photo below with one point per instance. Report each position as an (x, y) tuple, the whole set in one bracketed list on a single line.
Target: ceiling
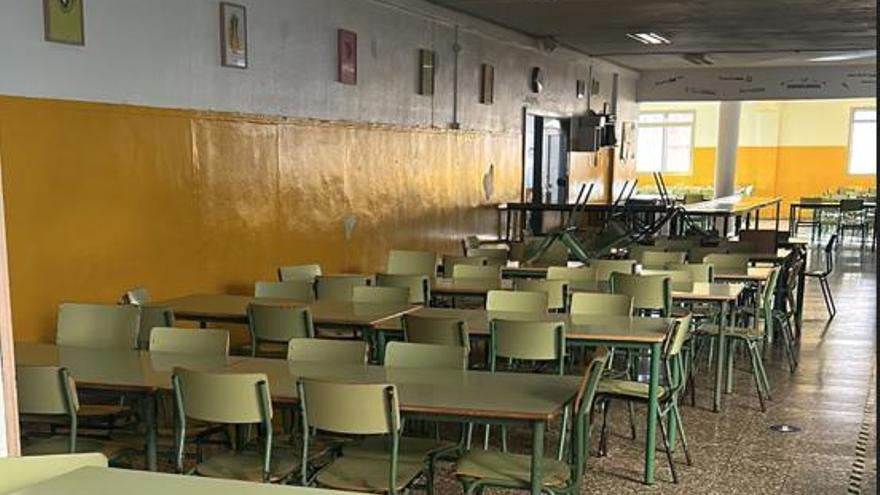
[(733, 33)]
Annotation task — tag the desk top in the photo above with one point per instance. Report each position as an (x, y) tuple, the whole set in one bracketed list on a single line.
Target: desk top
[(703, 291), (483, 394), (731, 205), (465, 287), (234, 308), (109, 481)]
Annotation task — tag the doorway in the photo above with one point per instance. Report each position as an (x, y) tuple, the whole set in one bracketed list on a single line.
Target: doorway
[(545, 167)]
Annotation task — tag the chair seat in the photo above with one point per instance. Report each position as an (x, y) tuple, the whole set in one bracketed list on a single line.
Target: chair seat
[(59, 444), (363, 474), (411, 449), (746, 333), (510, 468), (248, 466), (627, 388)]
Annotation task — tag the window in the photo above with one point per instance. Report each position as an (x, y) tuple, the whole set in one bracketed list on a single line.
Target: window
[(863, 141), (665, 142)]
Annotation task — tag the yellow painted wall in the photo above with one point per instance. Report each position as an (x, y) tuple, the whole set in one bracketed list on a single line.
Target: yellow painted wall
[(789, 149), (100, 198)]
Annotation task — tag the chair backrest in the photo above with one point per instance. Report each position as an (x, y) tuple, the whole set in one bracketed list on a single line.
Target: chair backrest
[(137, 296), (677, 336), (98, 325), (556, 290), (527, 340), (738, 247), (494, 256), (659, 259), (850, 205), (152, 317), (20, 472), (46, 390), (678, 279), (434, 330), (270, 323), (700, 272), (327, 351), (475, 272), (349, 408), (380, 295), (698, 254), (763, 241), (299, 272), (297, 290), (767, 299), (604, 268), (692, 198), (228, 398), (829, 254), (201, 342), (412, 263), (599, 304), (582, 278), (583, 409), (517, 301), (729, 263), (450, 261), (410, 355), (649, 292), (419, 286), (338, 287)]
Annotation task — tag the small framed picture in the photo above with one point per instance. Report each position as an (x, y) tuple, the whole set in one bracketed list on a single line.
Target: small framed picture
[(581, 89), (426, 72), (346, 47), (233, 36), (487, 84), (63, 21)]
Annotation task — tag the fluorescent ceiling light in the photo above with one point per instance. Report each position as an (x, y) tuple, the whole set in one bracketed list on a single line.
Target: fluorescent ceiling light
[(845, 56), (649, 38)]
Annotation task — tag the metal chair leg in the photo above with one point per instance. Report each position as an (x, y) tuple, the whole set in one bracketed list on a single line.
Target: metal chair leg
[(667, 449), (757, 375), (680, 426)]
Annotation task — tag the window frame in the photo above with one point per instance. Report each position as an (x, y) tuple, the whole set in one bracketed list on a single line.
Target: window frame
[(664, 125), (849, 144)]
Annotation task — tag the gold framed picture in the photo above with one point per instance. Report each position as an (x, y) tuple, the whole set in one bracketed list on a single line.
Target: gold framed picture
[(63, 21), (233, 36)]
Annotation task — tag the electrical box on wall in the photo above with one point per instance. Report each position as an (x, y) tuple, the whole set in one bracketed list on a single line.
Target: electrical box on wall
[(592, 131)]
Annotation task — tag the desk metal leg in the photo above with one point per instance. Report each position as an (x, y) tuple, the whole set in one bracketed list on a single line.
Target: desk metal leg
[(653, 405), (537, 456), (757, 219), (380, 339), (719, 364), (149, 417), (778, 204), (801, 288), (792, 221)]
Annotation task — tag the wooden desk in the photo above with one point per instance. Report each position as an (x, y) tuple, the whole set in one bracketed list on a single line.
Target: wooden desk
[(109, 481), (735, 206), (137, 373)]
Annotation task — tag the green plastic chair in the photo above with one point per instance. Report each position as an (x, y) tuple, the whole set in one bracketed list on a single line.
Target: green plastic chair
[(297, 290), (451, 261), (410, 355), (476, 272), (357, 410), (419, 286), (327, 351), (380, 295), (650, 293), (634, 391), (698, 254), (517, 301), (435, 330), (494, 256), (20, 472), (412, 263), (729, 263), (152, 317), (700, 272), (339, 287), (527, 341), (108, 326), (604, 268), (47, 394), (272, 327), (230, 399), (201, 342), (299, 272), (580, 278), (556, 290), (598, 304), (478, 469), (657, 260)]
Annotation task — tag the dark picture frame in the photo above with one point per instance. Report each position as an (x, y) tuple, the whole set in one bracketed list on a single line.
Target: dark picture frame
[(233, 36), (581, 89), (346, 56), (63, 22), (487, 84), (427, 61)]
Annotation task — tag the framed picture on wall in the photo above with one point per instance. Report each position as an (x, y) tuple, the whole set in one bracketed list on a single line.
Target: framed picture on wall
[(427, 59), (487, 84), (346, 48), (581, 89), (63, 21), (233, 36)]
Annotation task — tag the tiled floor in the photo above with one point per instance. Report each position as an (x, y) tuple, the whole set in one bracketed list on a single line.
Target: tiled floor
[(735, 451)]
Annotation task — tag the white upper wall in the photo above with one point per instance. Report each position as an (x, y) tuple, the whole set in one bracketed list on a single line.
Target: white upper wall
[(166, 53), (770, 83)]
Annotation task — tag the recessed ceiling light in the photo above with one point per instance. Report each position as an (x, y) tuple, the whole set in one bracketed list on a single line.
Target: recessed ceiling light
[(649, 38), (845, 56)]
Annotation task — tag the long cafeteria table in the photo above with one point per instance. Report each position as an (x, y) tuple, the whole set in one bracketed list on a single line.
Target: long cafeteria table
[(447, 395)]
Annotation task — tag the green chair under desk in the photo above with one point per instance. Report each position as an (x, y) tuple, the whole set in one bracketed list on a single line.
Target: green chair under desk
[(556, 290), (300, 272), (380, 295), (295, 290), (478, 469), (435, 330), (361, 410), (272, 327), (419, 285), (402, 262), (634, 391)]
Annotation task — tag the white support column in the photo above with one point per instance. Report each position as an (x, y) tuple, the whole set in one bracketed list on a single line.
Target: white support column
[(728, 140)]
